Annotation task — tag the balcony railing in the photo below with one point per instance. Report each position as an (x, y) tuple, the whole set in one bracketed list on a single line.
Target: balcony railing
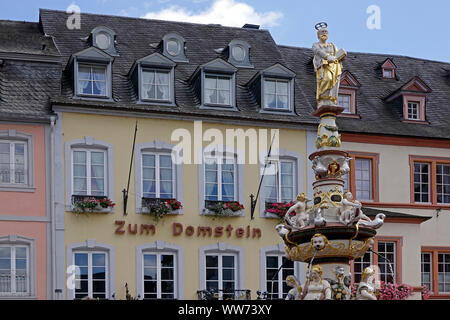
[(8, 175), (20, 282), (224, 294)]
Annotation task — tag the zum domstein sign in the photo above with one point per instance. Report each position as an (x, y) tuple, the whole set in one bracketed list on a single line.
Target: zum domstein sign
[(178, 229)]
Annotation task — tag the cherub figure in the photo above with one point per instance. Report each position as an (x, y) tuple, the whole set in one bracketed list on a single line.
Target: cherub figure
[(350, 210), (295, 292), (366, 288), (300, 218)]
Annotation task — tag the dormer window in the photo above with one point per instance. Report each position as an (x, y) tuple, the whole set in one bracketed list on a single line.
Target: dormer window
[(345, 102), (174, 47), (388, 69), (104, 39), (347, 94), (153, 78), (218, 90), (413, 112), (92, 80), (274, 89), (412, 98), (155, 85), (276, 94), (92, 74), (239, 54), (215, 85)]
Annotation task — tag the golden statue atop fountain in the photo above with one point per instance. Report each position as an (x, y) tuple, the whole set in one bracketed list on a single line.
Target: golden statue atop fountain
[(328, 67)]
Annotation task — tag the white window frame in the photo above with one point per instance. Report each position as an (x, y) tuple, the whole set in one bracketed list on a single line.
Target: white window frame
[(89, 143), (422, 272), (414, 104), (157, 173), (371, 176), (362, 263), (91, 245), (158, 273), (19, 241), (220, 162), (89, 169), (161, 247), (220, 279), (12, 162), (341, 98), (90, 272), (276, 80), (13, 291), (217, 76), (13, 136), (92, 66), (429, 182), (214, 152), (280, 280), (155, 71), (444, 264), (387, 272), (443, 194), (158, 147), (391, 73), (278, 164), (224, 249), (280, 251), (282, 155)]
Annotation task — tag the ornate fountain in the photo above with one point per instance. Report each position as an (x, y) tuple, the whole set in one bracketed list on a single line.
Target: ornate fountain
[(332, 231)]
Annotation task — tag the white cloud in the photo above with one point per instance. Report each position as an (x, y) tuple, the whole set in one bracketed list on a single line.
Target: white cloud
[(225, 12)]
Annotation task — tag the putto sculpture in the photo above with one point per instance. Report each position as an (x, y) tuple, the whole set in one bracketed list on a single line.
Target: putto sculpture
[(300, 218), (333, 230)]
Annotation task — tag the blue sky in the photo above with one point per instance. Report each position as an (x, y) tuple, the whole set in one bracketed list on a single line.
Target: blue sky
[(414, 28)]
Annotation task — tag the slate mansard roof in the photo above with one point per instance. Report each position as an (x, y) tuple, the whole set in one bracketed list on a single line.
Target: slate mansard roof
[(138, 38), (26, 85), (377, 115)]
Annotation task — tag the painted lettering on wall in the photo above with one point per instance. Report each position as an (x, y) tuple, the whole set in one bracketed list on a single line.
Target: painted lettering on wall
[(217, 232), (189, 231)]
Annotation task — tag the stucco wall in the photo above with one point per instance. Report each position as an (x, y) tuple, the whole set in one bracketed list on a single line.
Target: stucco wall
[(119, 132)]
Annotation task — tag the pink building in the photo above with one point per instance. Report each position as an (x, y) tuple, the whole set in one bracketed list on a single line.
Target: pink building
[(28, 68)]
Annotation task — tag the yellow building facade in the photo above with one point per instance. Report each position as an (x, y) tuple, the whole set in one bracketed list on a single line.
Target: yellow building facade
[(188, 236)]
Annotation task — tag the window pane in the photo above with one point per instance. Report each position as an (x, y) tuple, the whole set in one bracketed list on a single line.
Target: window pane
[(167, 261), (210, 83), (228, 262), (270, 101), (99, 88), (212, 274), (99, 74), (99, 273), (79, 157), (212, 261), (224, 97), (269, 87), (148, 77), (162, 78), (84, 73), (81, 259), (150, 260), (282, 88), (211, 96)]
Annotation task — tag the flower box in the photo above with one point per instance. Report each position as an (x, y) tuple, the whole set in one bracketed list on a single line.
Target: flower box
[(278, 209), (158, 208), (84, 204), (223, 208)]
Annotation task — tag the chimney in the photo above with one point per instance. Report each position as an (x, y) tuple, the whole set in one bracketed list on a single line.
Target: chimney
[(251, 26)]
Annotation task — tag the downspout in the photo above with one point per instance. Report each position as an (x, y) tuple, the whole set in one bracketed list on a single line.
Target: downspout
[(53, 204)]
